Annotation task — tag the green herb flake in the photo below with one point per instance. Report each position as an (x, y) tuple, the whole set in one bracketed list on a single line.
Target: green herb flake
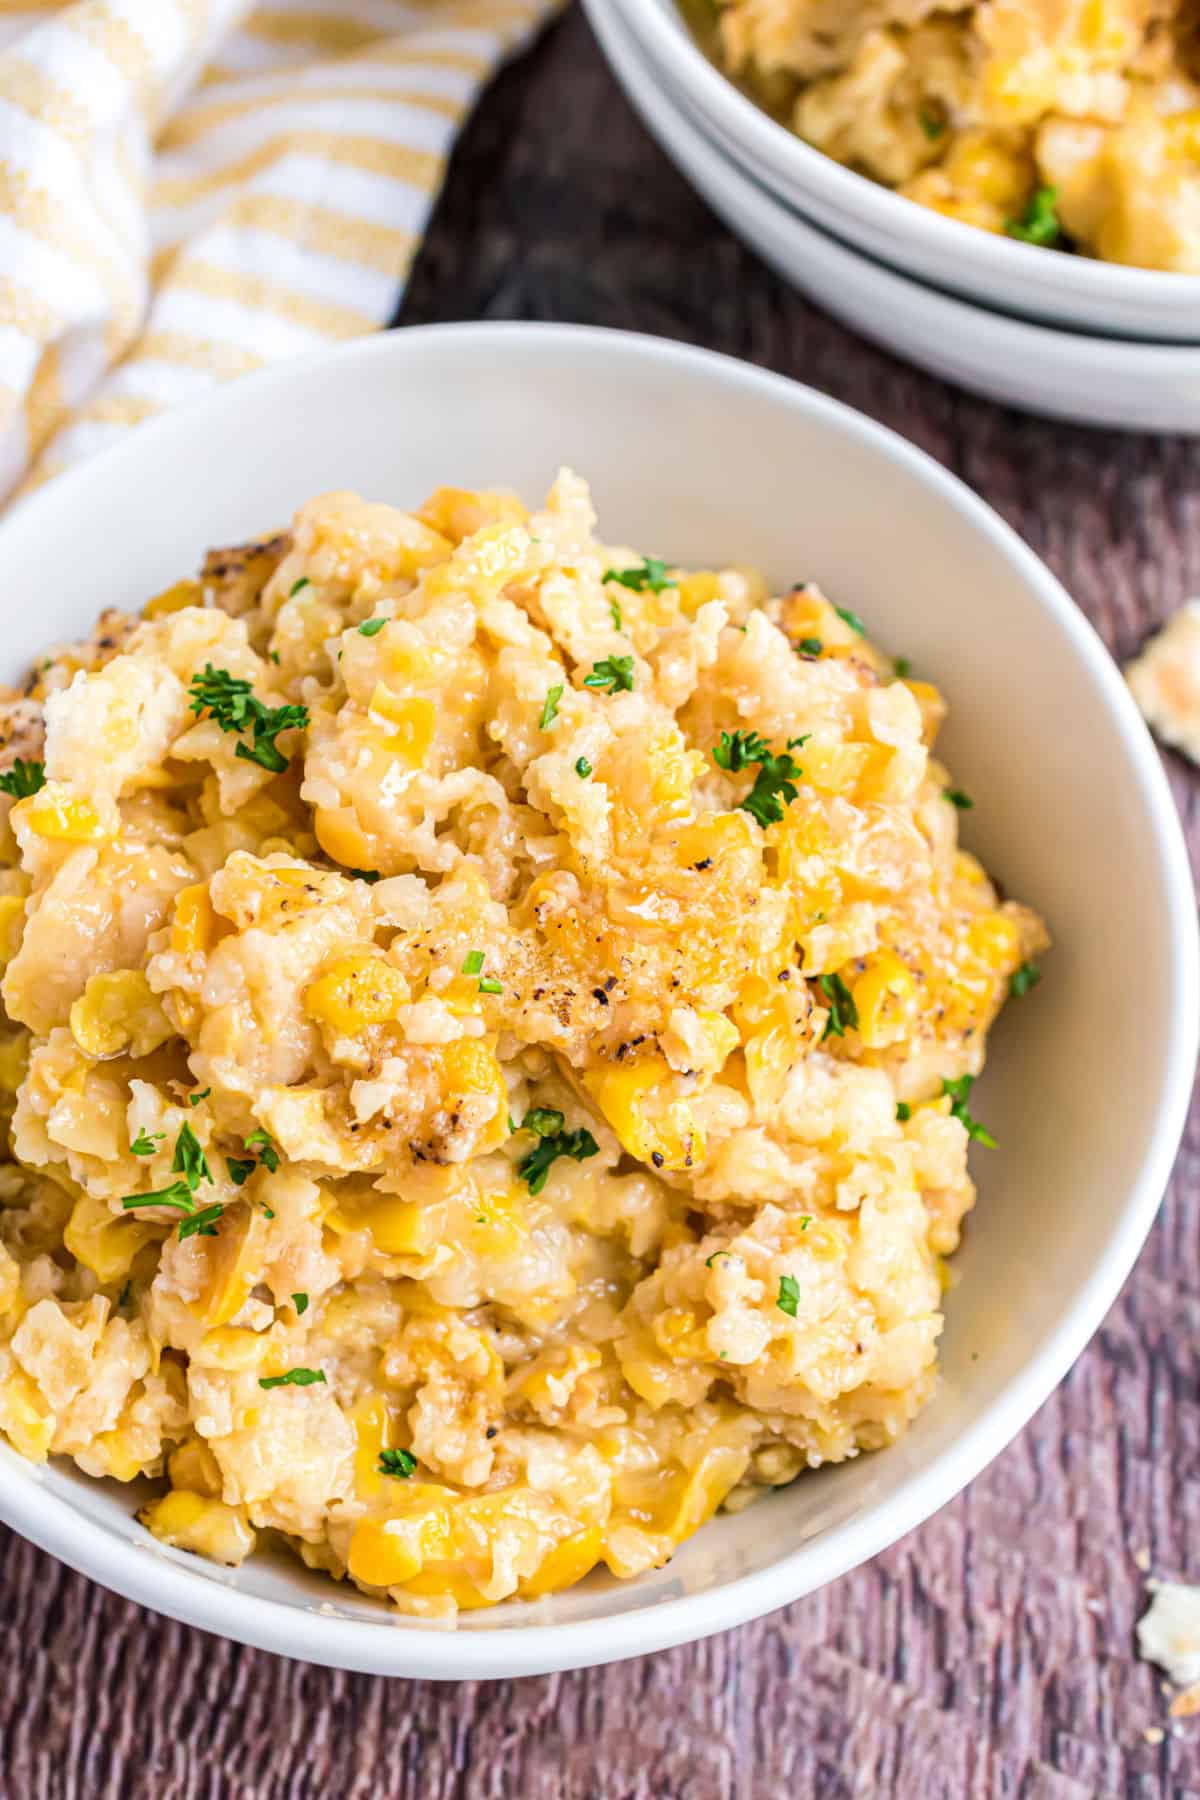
[(931, 122), (612, 673), (614, 613), (956, 797), (472, 962), (239, 1171), (400, 1463), (851, 619), (1024, 978), (371, 627), (264, 1143), (293, 1378), (650, 574), (300, 1302), (959, 1092), (370, 876), (125, 1296), (231, 702), (297, 585), (843, 1013), (145, 1143), (546, 1123), (1040, 223), (177, 1194), (788, 1298), (189, 1159), (776, 780), (195, 1099), (268, 1211), (201, 1224), (809, 647), (902, 667), (903, 1111), (23, 779), (489, 985), (583, 768), (710, 1260), (550, 706)]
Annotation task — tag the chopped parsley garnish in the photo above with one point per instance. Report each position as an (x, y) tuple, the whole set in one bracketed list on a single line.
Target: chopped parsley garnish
[(489, 985), (370, 876), (710, 1260), (1040, 224), (23, 779), (178, 1194), (190, 1160), (851, 619), (614, 610), (400, 1463), (472, 962), (195, 1099), (583, 768), (300, 1302), (613, 673), (931, 122), (649, 574), (264, 1143), (125, 1296), (201, 1224), (145, 1143), (293, 1378), (788, 1298), (902, 666), (1024, 978), (371, 627), (809, 647), (842, 1011), (547, 1126), (550, 706), (239, 1171), (235, 707), (959, 1092), (956, 797), (903, 1111), (297, 585), (777, 775)]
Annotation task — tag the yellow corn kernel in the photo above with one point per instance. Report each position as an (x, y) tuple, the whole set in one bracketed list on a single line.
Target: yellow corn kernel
[(469, 1070), (884, 995), (458, 513), (932, 708), (103, 1242), (640, 1102), (834, 768), (205, 1526), (12, 923), (387, 1552), (401, 1227), (234, 1261), (824, 1242), (25, 1418), (372, 1431), (697, 1496), (192, 1465), (117, 1011), (499, 1225), (122, 1459), (552, 1374), (566, 1564), (410, 662), (229, 1347), (60, 815), (196, 925), (697, 589), (14, 1060), (676, 1332), (174, 599), (413, 720), (995, 939), (341, 837), (356, 991)]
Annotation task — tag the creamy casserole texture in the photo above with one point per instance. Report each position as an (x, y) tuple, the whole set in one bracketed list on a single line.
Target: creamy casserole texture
[(490, 1026), (1066, 122)]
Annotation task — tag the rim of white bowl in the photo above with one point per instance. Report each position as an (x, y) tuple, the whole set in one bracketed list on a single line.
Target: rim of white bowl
[(665, 36), (389, 1648), (1090, 353)]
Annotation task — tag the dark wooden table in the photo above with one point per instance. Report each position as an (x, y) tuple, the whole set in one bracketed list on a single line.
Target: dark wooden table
[(991, 1652)]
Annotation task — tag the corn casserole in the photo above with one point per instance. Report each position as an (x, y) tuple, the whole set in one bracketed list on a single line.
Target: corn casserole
[(1068, 123), (489, 1028)]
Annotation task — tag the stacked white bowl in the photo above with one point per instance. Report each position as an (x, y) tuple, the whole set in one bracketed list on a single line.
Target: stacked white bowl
[(1062, 335)]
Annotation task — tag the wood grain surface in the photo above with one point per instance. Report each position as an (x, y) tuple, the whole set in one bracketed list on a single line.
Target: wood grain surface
[(991, 1652)]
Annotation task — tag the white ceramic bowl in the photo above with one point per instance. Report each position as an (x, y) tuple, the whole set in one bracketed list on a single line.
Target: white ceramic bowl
[(1066, 375), (999, 272), (701, 458)]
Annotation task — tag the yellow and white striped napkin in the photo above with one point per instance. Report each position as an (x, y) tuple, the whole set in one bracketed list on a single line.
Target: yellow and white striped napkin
[(192, 188)]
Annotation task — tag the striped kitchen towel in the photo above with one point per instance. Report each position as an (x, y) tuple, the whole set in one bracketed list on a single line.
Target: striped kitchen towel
[(193, 188)]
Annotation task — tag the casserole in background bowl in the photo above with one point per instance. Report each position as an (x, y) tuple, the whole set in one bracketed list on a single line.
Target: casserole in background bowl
[(757, 470), (1070, 291)]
